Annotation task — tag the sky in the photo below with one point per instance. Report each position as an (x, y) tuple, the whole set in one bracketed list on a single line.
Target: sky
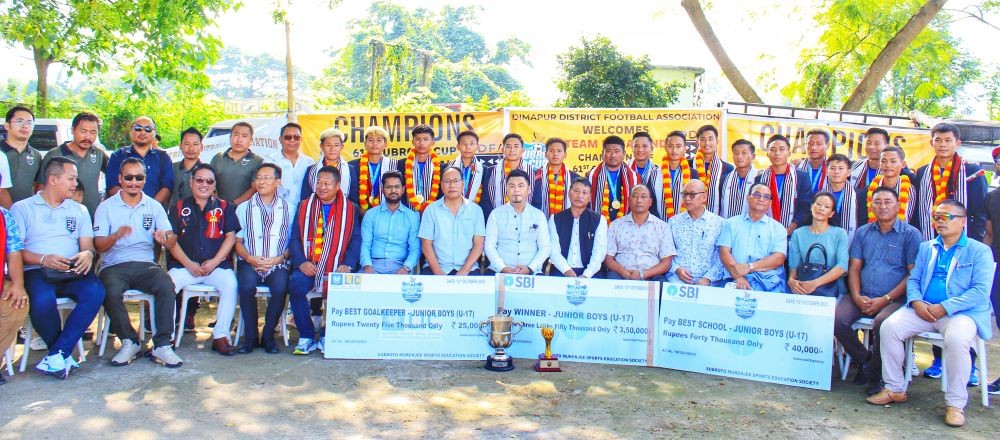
[(763, 37)]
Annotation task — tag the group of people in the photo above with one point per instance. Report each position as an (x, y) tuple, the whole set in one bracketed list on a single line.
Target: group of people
[(910, 250)]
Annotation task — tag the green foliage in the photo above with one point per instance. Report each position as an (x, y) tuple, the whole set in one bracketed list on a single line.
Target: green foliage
[(148, 40), (992, 85), (926, 77), (596, 74), (399, 58), (238, 74)]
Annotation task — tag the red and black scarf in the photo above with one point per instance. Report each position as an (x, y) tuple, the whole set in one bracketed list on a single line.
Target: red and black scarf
[(337, 229)]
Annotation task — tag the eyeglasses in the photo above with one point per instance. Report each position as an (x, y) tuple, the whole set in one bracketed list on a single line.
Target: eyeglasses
[(945, 217), (135, 177), (22, 122), (289, 137), (391, 187), (264, 178), (691, 195), (760, 196), (146, 128), (204, 181)]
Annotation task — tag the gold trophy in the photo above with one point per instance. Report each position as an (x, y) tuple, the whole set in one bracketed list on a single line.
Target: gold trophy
[(547, 362)]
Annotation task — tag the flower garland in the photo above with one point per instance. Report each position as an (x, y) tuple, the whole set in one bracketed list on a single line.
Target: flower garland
[(364, 187), (668, 190), (318, 238), (940, 180), (417, 201), (703, 172), (904, 196), (557, 190)]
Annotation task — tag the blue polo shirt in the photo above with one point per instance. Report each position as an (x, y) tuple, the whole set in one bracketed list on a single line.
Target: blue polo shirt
[(391, 235), (146, 217), (452, 234), (937, 288), (47, 230), (191, 224), (159, 169)]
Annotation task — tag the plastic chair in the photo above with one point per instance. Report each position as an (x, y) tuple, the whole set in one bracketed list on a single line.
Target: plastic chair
[(937, 339), (263, 292), (104, 323), (8, 357), (193, 291), (63, 305), (844, 359)]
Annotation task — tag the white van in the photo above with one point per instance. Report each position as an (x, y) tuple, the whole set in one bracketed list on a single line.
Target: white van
[(265, 139), (49, 134)]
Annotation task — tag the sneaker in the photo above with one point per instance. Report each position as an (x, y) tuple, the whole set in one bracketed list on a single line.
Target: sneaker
[(974, 377), (125, 355), (38, 344), (994, 388), (933, 371), (54, 365), (72, 364), (165, 355), (305, 346), (914, 370)]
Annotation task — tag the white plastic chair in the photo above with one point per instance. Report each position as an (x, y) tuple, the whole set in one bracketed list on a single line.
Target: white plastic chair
[(8, 357), (844, 359), (263, 292), (193, 291), (104, 323), (937, 339), (64, 305)]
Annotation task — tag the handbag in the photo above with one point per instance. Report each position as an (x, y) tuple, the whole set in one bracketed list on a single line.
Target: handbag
[(808, 271)]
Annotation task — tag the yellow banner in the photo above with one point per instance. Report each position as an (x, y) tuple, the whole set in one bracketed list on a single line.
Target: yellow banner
[(446, 124), (585, 129), (848, 139)]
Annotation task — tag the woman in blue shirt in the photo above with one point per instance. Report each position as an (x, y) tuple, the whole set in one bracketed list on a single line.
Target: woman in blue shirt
[(834, 241)]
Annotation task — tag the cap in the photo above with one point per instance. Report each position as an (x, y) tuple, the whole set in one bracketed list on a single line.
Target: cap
[(996, 152)]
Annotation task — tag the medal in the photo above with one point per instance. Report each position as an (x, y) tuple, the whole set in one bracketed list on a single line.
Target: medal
[(419, 199), (616, 204)]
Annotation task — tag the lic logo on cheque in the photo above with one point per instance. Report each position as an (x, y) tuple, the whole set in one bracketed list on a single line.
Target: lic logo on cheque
[(519, 282), (412, 290), (576, 293), (345, 281), (684, 292)]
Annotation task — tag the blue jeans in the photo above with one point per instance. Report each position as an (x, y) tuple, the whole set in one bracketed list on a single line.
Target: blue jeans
[(299, 285), (247, 281), (386, 265), (612, 275), (88, 292)]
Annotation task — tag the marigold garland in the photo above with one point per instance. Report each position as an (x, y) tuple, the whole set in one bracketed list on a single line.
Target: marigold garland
[(704, 174), (668, 190), (940, 179), (904, 195), (318, 237), (364, 187), (417, 201), (606, 196), (557, 190)]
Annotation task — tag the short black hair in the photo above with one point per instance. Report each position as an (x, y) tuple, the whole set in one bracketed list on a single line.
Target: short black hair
[(86, 116), (642, 134), (756, 184), (276, 168), (582, 181), (886, 189), (877, 130), (331, 170), (895, 149), (202, 166), (517, 172), (242, 124), (56, 166), (555, 140), (679, 134), (132, 161), (287, 126), (194, 131), (753, 150), (955, 203), (422, 129), (18, 108), (512, 136), (819, 131), (839, 158), (705, 128), (613, 140), (778, 137), (943, 127), (467, 133), (392, 174)]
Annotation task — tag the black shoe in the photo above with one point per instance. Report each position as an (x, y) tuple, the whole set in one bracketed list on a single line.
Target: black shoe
[(270, 346), (875, 386), (245, 349), (3, 380), (863, 376), (88, 335), (994, 388)]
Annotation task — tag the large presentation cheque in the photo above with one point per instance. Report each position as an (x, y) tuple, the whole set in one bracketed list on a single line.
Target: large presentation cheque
[(602, 321), (768, 337), (407, 317)]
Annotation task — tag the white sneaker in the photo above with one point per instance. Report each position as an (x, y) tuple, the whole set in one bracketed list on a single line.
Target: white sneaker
[(72, 364), (38, 344), (914, 370), (126, 354), (54, 365), (165, 355)]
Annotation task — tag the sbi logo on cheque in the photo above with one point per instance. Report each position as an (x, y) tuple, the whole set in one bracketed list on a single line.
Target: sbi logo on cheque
[(519, 282), (683, 292)]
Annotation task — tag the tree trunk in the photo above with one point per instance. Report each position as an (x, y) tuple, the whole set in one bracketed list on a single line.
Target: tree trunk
[(42, 63), (697, 15), (890, 53), (288, 69)]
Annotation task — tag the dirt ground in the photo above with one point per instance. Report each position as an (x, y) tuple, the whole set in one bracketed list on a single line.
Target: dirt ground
[(287, 396)]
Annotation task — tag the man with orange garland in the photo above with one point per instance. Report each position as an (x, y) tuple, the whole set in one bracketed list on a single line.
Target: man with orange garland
[(369, 169), (420, 170), (676, 172), (611, 181), (550, 192)]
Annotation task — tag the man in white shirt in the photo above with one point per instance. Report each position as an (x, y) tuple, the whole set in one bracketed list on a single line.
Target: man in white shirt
[(294, 165), (517, 239)]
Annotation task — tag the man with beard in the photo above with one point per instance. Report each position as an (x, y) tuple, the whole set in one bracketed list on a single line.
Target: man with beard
[(82, 150), (389, 243), (517, 236), (158, 172)]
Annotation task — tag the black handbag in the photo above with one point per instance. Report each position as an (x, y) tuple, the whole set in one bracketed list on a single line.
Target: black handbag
[(60, 276), (808, 271)]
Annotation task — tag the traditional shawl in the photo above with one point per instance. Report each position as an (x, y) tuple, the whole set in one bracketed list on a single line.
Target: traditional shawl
[(599, 181), (374, 191), (676, 187), (345, 175), (733, 197), (847, 215), (430, 181), (475, 187), (653, 178), (783, 204), (498, 181), (956, 188), (336, 233), (859, 173), (714, 173), (542, 176), (266, 227)]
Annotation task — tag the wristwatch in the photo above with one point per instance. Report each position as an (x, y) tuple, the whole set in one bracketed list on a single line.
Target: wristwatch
[(888, 299)]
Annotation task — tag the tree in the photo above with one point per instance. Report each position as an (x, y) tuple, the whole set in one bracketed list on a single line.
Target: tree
[(238, 74), (928, 72), (700, 22), (596, 74), (149, 40), (395, 52)]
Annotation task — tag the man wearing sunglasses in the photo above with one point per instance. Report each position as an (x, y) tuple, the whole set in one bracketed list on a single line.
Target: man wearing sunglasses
[(948, 293), (159, 174), (294, 165), (24, 161), (237, 166), (753, 246)]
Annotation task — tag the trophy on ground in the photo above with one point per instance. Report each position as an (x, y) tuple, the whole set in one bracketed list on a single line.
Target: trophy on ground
[(500, 337), (547, 362)]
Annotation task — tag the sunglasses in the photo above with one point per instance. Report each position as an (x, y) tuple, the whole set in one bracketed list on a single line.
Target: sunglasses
[(760, 196), (945, 217), (146, 128), (204, 181), (135, 177), (691, 195), (289, 137)]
